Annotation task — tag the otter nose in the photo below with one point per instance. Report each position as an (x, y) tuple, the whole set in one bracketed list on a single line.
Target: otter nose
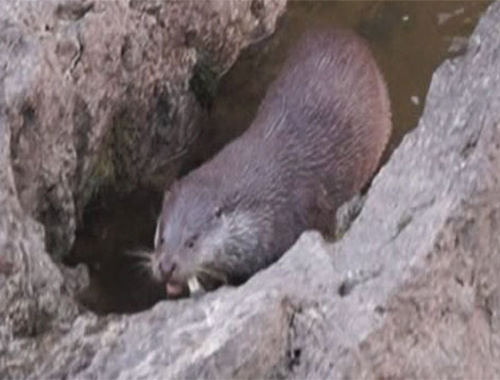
[(167, 267)]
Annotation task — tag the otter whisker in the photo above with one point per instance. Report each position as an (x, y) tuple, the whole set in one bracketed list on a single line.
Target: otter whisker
[(215, 274), (144, 255), (210, 277), (143, 267), (143, 261)]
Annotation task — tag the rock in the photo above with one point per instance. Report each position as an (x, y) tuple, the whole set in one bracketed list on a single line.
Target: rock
[(32, 292), (417, 273), (410, 291), (106, 94), (95, 95), (346, 214)]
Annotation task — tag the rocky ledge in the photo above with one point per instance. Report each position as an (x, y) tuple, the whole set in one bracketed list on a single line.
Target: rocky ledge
[(410, 291)]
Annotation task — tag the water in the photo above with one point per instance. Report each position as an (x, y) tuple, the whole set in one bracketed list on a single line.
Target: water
[(408, 38)]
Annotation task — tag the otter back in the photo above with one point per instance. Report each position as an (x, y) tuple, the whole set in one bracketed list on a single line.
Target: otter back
[(316, 141), (319, 133)]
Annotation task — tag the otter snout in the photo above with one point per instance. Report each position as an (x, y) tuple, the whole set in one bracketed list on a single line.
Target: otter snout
[(167, 267), (168, 270)]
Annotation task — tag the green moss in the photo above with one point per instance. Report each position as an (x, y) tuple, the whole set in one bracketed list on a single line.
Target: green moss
[(114, 162), (104, 171), (103, 174), (204, 81), (123, 140)]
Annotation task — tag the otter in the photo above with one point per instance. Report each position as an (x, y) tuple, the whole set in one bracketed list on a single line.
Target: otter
[(316, 141)]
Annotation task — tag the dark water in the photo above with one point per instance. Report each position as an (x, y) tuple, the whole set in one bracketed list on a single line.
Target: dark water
[(409, 39)]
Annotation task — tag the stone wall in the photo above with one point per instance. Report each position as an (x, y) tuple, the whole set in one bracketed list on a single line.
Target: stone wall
[(94, 96)]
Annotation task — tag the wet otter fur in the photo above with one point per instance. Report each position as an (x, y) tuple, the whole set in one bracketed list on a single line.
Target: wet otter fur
[(316, 141)]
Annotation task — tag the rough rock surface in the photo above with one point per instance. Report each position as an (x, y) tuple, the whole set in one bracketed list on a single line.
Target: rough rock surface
[(106, 93), (411, 291), (95, 94)]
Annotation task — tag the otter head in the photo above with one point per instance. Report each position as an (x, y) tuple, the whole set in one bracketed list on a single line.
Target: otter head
[(201, 242)]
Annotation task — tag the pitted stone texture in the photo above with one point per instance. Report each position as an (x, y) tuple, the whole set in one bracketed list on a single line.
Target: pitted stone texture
[(94, 95), (107, 93)]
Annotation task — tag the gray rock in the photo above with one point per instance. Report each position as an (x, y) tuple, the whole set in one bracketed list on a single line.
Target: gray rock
[(410, 291), (417, 273), (94, 95), (107, 93), (347, 213)]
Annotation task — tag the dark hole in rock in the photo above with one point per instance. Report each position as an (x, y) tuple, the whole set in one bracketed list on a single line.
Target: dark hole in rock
[(29, 116), (409, 40), (294, 358), (346, 288), (113, 227)]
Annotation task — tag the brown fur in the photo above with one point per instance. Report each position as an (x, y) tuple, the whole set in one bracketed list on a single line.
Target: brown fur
[(317, 139)]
